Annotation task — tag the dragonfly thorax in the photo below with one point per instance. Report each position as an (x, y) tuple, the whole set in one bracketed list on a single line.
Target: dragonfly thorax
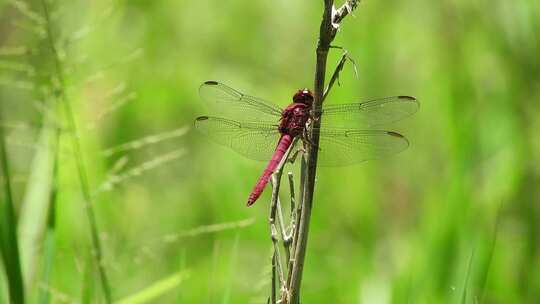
[(294, 119)]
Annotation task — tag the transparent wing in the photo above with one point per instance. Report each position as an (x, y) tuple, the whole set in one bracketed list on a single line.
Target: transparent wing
[(254, 140), (230, 103), (345, 147), (369, 114)]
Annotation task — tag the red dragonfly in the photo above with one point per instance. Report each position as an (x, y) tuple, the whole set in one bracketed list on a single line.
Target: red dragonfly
[(261, 130)]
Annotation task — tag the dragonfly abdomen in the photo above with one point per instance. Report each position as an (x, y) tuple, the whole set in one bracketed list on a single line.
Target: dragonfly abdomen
[(282, 147)]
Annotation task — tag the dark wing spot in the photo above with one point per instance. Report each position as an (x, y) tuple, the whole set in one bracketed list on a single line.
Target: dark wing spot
[(391, 133), (200, 118), (407, 98), (211, 82)]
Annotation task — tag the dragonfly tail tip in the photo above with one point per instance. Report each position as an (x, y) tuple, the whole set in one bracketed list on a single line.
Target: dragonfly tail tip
[(250, 202)]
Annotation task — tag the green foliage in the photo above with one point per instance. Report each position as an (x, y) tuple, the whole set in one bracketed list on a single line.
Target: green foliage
[(399, 230), (9, 247), (35, 209)]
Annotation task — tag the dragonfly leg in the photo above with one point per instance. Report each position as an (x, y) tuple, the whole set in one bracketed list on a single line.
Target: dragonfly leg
[(312, 116), (293, 157), (307, 141), (337, 47)]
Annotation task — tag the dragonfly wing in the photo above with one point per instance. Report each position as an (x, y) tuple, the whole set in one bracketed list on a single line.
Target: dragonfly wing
[(345, 147), (230, 103), (369, 114), (254, 140)]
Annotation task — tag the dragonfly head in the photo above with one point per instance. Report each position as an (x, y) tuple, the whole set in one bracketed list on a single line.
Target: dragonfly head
[(303, 96)]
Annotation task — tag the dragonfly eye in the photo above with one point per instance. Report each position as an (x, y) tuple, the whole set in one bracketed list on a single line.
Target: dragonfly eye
[(303, 96)]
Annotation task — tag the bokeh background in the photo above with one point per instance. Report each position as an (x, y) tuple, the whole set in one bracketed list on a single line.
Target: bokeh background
[(453, 219)]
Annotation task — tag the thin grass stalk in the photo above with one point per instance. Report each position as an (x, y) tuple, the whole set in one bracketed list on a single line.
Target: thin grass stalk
[(289, 232), (485, 275), (298, 219), (293, 196), (467, 277), (87, 288), (83, 179), (48, 258), (328, 30), (295, 212), (150, 293), (276, 204), (284, 237), (273, 229), (3, 285), (34, 211), (50, 236), (276, 209), (311, 165), (232, 269), (273, 286), (9, 246)]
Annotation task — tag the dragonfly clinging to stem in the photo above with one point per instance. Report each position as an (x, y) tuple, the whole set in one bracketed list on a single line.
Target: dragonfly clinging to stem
[(261, 130)]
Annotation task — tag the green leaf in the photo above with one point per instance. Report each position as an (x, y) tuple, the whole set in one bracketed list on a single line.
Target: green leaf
[(88, 281), (8, 231), (466, 280), (34, 211), (49, 250), (155, 290)]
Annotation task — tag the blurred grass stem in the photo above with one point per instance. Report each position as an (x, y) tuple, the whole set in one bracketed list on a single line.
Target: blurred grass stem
[(61, 96), (9, 247)]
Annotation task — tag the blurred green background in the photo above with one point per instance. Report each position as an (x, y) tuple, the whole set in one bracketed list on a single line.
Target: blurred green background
[(453, 219)]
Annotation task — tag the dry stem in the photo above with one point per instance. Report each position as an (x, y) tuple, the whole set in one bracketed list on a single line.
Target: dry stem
[(295, 235), (328, 30)]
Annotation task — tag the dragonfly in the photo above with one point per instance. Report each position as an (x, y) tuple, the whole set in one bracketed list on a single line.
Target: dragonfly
[(261, 130)]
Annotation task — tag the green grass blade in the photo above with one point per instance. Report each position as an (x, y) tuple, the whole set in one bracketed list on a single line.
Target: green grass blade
[(485, 274), (3, 296), (466, 281), (50, 248), (157, 289), (8, 231), (76, 145), (232, 269), (88, 281), (34, 211)]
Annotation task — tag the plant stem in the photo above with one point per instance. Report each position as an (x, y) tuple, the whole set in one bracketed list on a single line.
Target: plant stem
[(83, 177), (328, 30), (273, 292), (311, 165)]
